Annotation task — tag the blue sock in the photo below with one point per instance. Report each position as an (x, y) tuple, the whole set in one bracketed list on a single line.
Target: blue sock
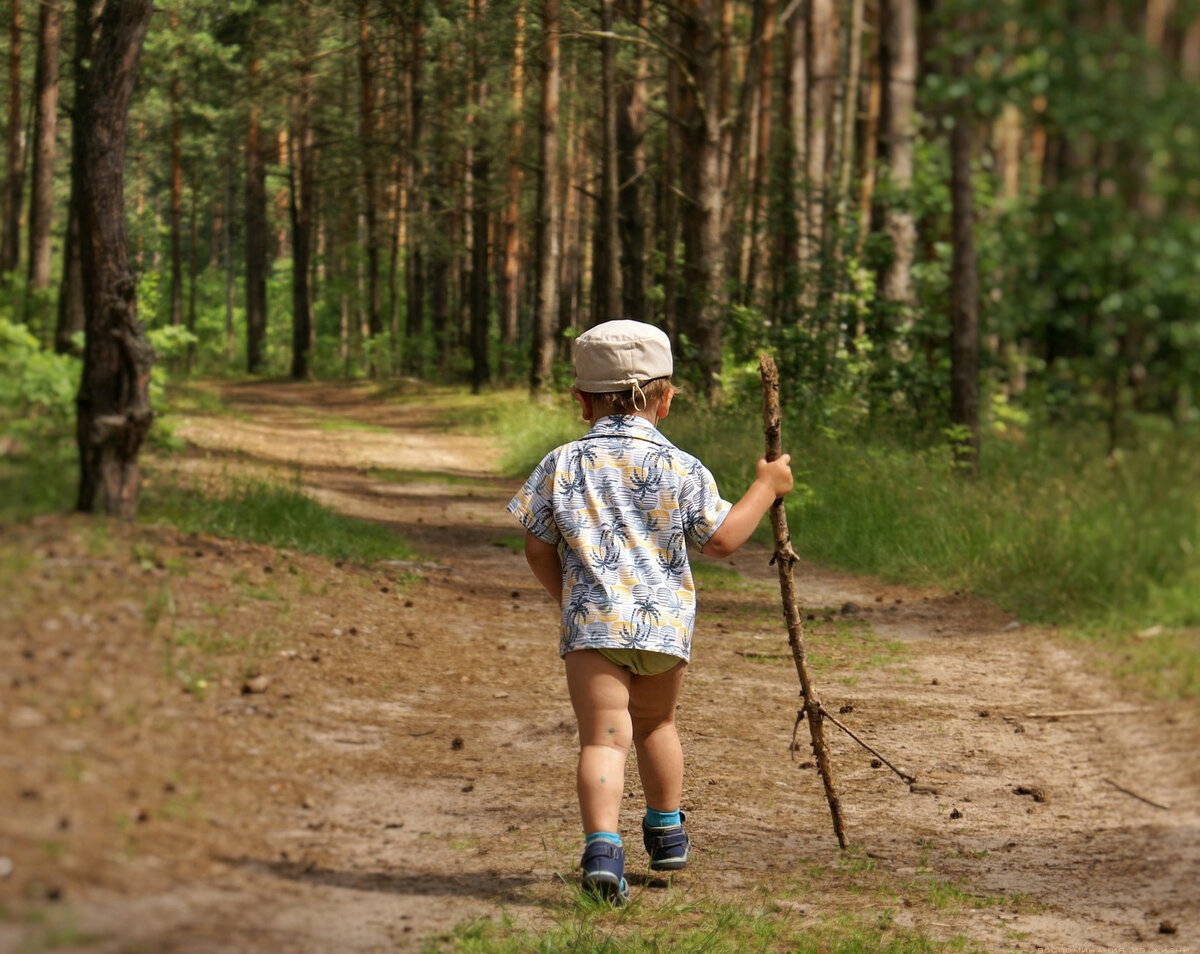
[(610, 836), (657, 819)]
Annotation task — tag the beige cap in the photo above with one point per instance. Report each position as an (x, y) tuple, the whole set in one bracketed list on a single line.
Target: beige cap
[(616, 355)]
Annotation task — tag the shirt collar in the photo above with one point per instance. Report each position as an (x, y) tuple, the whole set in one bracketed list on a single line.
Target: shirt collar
[(627, 425)]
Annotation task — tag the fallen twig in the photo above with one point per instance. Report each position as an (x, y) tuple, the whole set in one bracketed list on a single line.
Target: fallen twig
[(1133, 794), (904, 775)]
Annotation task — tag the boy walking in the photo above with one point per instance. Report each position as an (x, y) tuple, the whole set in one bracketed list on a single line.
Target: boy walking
[(607, 520)]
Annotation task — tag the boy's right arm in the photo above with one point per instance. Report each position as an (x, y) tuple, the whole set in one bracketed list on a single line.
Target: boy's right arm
[(772, 480), (543, 559)]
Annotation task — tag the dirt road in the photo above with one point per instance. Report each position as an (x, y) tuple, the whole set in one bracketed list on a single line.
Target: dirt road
[(407, 761)]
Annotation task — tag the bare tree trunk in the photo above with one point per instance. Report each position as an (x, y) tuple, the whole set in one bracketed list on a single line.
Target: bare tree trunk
[(414, 264), (227, 259), (479, 170), (870, 134), (114, 405), (822, 52), (71, 314), (510, 249), (606, 277), (369, 132), (669, 217), (176, 197), (45, 127), (796, 249), (572, 217), (545, 314), (631, 167), (10, 240), (189, 359), (255, 231), (704, 272), (900, 37), (964, 291), (302, 182), (757, 200)]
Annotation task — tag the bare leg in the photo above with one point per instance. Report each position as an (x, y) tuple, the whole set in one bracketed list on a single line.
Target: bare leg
[(652, 701), (600, 696)]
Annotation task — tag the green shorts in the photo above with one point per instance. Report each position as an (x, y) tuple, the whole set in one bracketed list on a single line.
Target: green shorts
[(641, 662)]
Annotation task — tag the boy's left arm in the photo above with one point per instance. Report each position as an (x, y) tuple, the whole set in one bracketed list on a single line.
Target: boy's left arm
[(543, 559)]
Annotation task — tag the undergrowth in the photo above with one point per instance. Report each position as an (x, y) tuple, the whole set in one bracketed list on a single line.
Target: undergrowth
[(1051, 528)]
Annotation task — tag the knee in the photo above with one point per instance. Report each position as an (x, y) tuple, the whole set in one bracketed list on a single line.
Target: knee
[(644, 728)]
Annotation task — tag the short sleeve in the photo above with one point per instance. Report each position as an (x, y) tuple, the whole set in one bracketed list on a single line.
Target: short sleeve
[(533, 505), (702, 508)]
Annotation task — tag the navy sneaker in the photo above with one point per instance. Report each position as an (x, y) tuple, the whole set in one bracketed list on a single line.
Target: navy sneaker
[(603, 865), (668, 846)]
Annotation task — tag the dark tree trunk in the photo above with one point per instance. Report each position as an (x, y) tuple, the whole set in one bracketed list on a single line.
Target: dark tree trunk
[(256, 234), (631, 165), (546, 310), (510, 246), (176, 187), (964, 294), (41, 200), (606, 275), (71, 316), (703, 273), (899, 87), (479, 170), (414, 270), (369, 132), (10, 228), (301, 203), (114, 406)]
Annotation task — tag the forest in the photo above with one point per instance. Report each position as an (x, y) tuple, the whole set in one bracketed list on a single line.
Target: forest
[(288, 291), (958, 225)]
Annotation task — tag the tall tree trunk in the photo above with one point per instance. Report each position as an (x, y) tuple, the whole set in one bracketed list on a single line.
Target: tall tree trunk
[(545, 314), (302, 198), (189, 360), (704, 273), (510, 250), (572, 217), (479, 171), (10, 228), (757, 201), (900, 39), (414, 265), (71, 315), (45, 127), (176, 187), (606, 276), (631, 167), (227, 258), (869, 139), (822, 78), (255, 231), (368, 130), (669, 201), (114, 412), (964, 291), (788, 191)]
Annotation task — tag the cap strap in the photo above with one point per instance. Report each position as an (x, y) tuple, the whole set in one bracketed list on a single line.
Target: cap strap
[(637, 391)]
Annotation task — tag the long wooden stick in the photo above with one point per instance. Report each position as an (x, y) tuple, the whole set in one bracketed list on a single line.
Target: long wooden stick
[(785, 556)]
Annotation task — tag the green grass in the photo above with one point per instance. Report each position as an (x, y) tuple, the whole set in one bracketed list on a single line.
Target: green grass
[(275, 515), (45, 480), (704, 927), (1052, 529)]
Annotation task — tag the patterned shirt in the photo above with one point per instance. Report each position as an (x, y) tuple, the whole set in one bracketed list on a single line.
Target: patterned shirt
[(620, 504)]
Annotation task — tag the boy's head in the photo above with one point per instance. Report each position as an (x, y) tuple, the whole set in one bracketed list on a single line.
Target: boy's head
[(623, 367)]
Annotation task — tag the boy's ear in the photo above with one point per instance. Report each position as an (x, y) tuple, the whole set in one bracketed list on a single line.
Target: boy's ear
[(585, 404), (664, 405)]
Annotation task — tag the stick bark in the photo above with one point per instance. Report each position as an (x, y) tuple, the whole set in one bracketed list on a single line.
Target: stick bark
[(784, 557)]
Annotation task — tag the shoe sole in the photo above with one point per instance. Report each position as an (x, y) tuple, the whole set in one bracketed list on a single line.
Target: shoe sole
[(671, 864), (606, 888)]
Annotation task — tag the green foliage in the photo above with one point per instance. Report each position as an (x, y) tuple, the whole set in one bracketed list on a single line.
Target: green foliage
[(37, 387), (275, 515), (706, 927)]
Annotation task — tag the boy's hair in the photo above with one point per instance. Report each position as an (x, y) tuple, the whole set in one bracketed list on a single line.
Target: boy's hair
[(632, 400)]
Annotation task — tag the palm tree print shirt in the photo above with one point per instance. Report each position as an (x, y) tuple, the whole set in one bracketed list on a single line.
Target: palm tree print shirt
[(621, 504)]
